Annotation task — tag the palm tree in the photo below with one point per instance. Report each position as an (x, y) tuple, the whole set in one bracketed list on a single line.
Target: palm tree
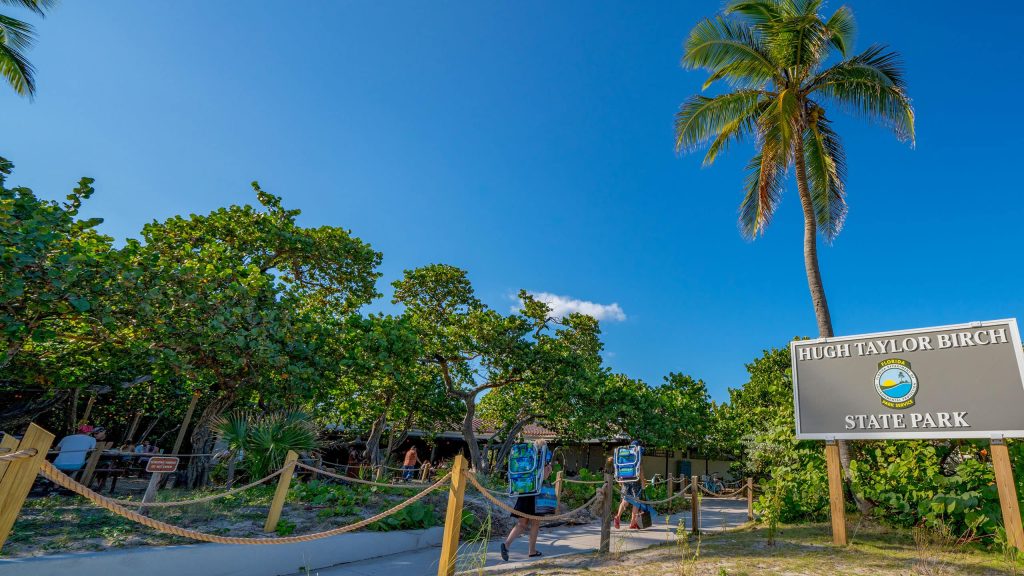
[(15, 38), (775, 54)]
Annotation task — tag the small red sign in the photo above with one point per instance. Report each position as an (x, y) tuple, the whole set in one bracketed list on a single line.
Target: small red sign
[(162, 464)]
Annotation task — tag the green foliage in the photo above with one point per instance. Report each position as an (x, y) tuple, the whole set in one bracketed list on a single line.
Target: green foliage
[(537, 360), (413, 517), (285, 527), (776, 55), (265, 439)]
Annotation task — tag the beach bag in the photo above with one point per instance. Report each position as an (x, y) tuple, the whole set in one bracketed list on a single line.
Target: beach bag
[(627, 463), (546, 502), (524, 470), (645, 519)]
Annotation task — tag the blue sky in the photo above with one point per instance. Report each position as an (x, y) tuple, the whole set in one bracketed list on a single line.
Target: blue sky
[(531, 144)]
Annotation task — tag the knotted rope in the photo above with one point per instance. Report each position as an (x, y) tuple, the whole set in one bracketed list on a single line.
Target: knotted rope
[(61, 479), (359, 480), (486, 492), (653, 502), (197, 500), (27, 453), (722, 494)]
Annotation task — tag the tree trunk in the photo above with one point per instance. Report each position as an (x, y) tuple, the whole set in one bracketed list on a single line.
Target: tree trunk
[(817, 289), (373, 441), (469, 435), (203, 440)]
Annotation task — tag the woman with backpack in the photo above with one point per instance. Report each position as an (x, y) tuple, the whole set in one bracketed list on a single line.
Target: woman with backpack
[(632, 490), (528, 505)]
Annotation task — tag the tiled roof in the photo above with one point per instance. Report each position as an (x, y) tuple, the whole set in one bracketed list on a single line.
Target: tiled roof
[(529, 431)]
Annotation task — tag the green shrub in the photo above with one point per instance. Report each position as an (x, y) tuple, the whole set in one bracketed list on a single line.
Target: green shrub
[(413, 517)]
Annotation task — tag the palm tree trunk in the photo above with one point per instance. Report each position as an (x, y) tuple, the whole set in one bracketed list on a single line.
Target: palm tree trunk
[(817, 289)]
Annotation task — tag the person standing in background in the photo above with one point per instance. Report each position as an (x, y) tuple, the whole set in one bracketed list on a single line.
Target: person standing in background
[(412, 460)]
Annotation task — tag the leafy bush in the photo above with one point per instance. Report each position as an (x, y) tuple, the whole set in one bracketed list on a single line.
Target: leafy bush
[(263, 440), (336, 499), (413, 517)]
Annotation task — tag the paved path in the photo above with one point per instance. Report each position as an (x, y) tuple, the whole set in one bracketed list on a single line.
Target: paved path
[(716, 515)]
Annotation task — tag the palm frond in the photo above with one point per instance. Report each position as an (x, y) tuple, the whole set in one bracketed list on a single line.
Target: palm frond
[(701, 118), (736, 130), (825, 162), (799, 42), (728, 49), (16, 33), (38, 6), (761, 12), (842, 29), (870, 84), (17, 70), (764, 190)]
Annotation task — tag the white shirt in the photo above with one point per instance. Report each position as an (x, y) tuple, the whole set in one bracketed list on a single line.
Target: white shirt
[(74, 450)]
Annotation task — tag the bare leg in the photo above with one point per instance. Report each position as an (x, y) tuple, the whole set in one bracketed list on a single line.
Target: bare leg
[(534, 530), (634, 516), (518, 529), (622, 508)]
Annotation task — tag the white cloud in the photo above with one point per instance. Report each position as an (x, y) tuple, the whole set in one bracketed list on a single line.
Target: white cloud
[(563, 305)]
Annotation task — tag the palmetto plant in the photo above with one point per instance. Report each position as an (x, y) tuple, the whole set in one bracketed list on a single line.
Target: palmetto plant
[(263, 440), (786, 63), (16, 37)]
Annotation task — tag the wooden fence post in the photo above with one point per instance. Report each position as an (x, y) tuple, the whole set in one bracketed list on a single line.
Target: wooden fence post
[(1007, 493), (282, 491), (425, 474), (558, 490), (606, 515), (695, 505), (669, 486), (750, 499), (453, 518), (17, 476), (94, 458), (836, 497)]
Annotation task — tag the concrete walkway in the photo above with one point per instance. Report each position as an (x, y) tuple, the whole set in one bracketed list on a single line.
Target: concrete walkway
[(716, 515)]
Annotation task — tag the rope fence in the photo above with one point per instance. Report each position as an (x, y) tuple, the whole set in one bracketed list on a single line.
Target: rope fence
[(209, 498), (486, 492), (65, 481), (21, 463), (358, 480)]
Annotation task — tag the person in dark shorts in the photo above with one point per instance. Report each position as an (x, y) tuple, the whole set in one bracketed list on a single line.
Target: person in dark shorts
[(632, 491), (528, 505)]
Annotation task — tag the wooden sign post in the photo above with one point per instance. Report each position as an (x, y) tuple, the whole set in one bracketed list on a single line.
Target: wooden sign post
[(1007, 493), (157, 467), (836, 498)]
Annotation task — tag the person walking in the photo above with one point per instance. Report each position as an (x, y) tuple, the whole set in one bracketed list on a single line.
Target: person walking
[(410, 464), (528, 505), (632, 491)]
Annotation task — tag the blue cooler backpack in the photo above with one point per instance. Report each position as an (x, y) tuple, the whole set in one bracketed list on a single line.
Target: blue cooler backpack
[(627, 463), (524, 470), (547, 501)]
